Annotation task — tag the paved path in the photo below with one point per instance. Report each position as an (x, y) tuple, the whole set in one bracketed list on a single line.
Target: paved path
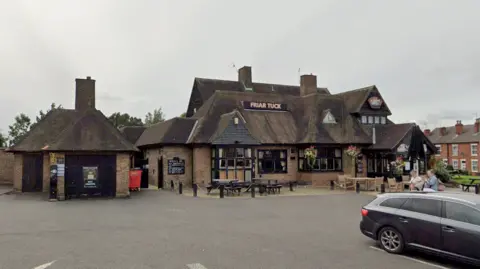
[(4, 189), (168, 231)]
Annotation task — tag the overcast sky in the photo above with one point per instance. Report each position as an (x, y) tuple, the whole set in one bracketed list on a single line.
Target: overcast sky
[(423, 55)]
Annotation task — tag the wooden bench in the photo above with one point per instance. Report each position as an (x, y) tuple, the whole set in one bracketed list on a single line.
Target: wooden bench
[(466, 187)]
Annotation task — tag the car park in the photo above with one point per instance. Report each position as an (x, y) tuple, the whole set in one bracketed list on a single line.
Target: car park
[(446, 224)]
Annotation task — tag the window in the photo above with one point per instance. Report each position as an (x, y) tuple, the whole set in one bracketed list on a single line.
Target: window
[(474, 166), (463, 164), (474, 149), (377, 120), (234, 158), (454, 150), (394, 202), (439, 149), (364, 120), (455, 164), (423, 206), (370, 119), (329, 118), (383, 120), (272, 161), (328, 159), (462, 213)]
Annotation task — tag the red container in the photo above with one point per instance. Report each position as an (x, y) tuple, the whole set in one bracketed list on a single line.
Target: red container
[(135, 179)]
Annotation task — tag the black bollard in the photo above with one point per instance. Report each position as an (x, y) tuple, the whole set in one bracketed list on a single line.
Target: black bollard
[(222, 189), (477, 189), (332, 185), (172, 186), (180, 188), (195, 189), (382, 188), (357, 187), (291, 186), (252, 190)]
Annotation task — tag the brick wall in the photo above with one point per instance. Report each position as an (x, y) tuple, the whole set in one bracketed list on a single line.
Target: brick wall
[(202, 165), (46, 172), (60, 180), (6, 167), (122, 176), (17, 172), (464, 153), (153, 156), (292, 165), (318, 179)]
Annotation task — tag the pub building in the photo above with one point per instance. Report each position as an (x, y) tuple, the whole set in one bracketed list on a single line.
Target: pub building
[(245, 130)]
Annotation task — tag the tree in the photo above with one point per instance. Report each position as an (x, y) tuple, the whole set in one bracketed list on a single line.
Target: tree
[(3, 141), (183, 115), (155, 117), (19, 128), (41, 114), (118, 119)]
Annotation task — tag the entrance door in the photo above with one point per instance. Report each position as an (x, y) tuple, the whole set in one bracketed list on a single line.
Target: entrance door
[(160, 173), (32, 180)]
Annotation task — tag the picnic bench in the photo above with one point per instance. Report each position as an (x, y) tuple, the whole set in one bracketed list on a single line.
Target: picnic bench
[(231, 186), (266, 185), (466, 187)]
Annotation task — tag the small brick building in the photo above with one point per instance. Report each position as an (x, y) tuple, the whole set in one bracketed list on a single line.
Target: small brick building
[(244, 130), (6, 167), (92, 156)]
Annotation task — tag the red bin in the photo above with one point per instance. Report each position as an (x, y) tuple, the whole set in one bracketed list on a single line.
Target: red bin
[(135, 179)]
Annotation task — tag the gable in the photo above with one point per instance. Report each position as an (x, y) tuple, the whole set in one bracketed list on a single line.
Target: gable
[(374, 104), (195, 102), (233, 130)]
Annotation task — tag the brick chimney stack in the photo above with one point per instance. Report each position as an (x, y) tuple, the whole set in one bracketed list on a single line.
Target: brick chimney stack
[(477, 125), (84, 93), (308, 84), (245, 76), (443, 131), (426, 132), (459, 127)]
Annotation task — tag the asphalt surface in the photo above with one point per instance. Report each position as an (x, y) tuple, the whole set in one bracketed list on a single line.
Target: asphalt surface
[(163, 230)]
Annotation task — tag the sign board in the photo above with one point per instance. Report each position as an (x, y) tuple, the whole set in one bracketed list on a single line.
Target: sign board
[(402, 148), (264, 106), (60, 170), (176, 166), (90, 177), (375, 102)]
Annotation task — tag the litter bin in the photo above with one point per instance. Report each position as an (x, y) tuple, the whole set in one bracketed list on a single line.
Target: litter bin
[(135, 179)]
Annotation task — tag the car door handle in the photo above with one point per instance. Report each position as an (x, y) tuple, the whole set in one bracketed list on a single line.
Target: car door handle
[(448, 229), (403, 220)]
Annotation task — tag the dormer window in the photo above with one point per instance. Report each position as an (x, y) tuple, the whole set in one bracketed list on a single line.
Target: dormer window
[(364, 120), (329, 118)]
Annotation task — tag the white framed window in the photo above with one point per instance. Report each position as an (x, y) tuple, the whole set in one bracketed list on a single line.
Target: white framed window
[(370, 119), (455, 164), (474, 165), (445, 161), (364, 120), (474, 149), (454, 150), (383, 120), (377, 120), (439, 149), (463, 164)]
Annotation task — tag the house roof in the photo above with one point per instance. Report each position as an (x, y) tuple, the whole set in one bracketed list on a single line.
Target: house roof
[(68, 130), (355, 99), (467, 136), (132, 133), (173, 131), (390, 135)]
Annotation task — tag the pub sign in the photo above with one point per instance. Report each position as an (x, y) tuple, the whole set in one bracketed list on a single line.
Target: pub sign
[(254, 105), (375, 102)]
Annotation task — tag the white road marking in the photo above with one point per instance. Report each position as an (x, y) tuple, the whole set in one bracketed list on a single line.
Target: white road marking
[(413, 259), (43, 266), (196, 266)]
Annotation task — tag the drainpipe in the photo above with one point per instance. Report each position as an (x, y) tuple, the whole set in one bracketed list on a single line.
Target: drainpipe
[(193, 181), (374, 138)]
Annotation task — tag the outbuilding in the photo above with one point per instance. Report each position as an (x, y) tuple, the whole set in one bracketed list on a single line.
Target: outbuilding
[(243, 130), (92, 157)]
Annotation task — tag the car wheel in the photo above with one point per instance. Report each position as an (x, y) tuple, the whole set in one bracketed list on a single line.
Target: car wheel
[(391, 240)]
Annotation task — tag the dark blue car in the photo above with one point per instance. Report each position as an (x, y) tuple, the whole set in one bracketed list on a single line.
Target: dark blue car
[(447, 224)]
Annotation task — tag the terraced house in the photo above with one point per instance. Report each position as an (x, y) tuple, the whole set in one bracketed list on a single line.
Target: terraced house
[(242, 130), (457, 145)]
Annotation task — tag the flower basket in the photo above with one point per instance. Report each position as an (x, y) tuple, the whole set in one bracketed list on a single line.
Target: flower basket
[(397, 166), (310, 156)]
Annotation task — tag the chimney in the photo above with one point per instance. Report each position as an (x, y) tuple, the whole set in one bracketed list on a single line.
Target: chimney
[(426, 132), (84, 93), (443, 131), (459, 127), (477, 125), (308, 84), (245, 76)]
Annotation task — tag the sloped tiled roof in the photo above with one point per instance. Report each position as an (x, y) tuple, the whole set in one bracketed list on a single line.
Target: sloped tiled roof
[(132, 133), (390, 135), (467, 136), (173, 131), (67, 130)]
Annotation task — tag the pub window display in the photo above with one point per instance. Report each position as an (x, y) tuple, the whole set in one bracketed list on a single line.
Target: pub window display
[(272, 161), (234, 158), (324, 159)]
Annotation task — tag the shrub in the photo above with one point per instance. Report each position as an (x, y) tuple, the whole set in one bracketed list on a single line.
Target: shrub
[(441, 171), (464, 172), (449, 167)]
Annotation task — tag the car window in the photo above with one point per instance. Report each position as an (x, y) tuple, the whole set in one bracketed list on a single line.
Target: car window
[(463, 213), (424, 206), (394, 202)]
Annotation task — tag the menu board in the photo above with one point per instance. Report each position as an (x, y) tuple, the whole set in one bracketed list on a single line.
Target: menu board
[(90, 177), (176, 167)]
